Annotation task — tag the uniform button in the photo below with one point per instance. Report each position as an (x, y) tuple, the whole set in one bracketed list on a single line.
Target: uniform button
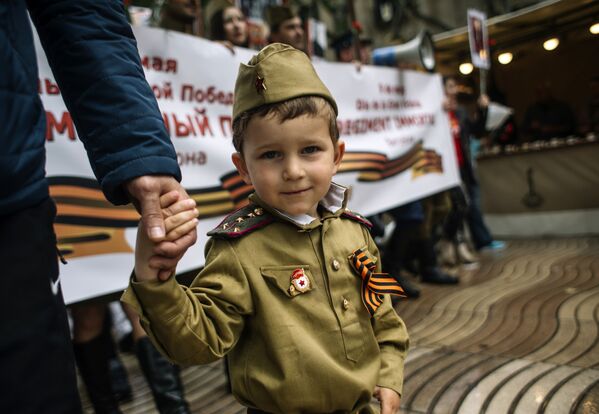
[(345, 304), (336, 264)]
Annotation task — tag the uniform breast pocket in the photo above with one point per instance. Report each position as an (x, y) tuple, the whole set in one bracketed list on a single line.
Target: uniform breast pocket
[(293, 280)]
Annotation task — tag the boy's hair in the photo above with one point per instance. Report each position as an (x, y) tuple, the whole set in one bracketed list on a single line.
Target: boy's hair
[(312, 106)]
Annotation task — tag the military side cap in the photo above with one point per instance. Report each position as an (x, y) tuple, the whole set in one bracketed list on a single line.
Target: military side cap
[(277, 73), (275, 15)]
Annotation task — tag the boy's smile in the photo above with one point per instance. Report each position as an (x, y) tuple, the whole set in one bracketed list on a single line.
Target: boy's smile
[(290, 164)]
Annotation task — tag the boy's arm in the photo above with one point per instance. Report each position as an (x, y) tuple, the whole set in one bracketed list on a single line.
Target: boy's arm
[(391, 335), (199, 324)]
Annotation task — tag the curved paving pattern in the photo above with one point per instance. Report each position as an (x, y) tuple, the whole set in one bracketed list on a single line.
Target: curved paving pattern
[(520, 334)]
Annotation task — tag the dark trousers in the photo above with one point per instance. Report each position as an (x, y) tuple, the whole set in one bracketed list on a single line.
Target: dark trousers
[(37, 371), (481, 236), (453, 227)]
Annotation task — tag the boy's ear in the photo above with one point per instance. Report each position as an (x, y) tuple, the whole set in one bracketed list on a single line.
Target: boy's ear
[(339, 151), (239, 163)]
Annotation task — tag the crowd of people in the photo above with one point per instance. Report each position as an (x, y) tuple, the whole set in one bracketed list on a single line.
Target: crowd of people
[(224, 22), (134, 161)]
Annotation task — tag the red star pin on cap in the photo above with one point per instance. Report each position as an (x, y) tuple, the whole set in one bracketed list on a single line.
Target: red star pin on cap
[(259, 83)]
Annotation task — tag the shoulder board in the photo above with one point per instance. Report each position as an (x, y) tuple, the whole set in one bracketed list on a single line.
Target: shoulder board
[(242, 222), (357, 217)]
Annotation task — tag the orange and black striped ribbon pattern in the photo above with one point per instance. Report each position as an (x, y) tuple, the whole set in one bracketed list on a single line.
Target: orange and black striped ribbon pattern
[(374, 285), (375, 166), (87, 224)]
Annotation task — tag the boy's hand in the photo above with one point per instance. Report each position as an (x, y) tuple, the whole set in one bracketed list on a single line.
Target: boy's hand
[(389, 399), (180, 220), (146, 192), (180, 217), (168, 252)]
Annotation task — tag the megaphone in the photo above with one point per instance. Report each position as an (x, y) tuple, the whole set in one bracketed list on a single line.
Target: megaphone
[(420, 50)]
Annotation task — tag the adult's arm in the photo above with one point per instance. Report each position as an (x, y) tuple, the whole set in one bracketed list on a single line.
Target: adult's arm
[(478, 121), (93, 55)]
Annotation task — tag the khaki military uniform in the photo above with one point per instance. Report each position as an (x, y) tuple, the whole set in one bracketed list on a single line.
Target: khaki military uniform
[(279, 295)]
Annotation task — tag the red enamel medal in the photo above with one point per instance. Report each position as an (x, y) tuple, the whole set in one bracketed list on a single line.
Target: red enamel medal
[(299, 281)]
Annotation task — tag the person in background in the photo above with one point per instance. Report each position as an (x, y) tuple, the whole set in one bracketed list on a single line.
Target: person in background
[(465, 126), (229, 26), (94, 347), (179, 15), (365, 50), (92, 53), (344, 49), (394, 251), (285, 27), (103, 374), (163, 378), (412, 245)]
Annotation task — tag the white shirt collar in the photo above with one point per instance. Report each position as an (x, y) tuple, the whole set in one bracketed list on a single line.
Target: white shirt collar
[(333, 200)]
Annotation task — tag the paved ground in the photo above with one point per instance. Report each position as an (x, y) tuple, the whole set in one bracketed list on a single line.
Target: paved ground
[(520, 334)]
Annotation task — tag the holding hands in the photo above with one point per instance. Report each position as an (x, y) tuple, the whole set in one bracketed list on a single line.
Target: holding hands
[(145, 192), (179, 216)]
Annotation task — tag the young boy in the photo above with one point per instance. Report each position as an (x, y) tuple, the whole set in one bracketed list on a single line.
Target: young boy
[(290, 290)]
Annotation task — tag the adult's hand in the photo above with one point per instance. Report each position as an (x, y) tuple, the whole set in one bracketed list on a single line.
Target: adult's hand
[(145, 192)]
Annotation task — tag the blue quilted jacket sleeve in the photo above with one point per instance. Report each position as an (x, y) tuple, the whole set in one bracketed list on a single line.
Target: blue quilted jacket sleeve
[(93, 55)]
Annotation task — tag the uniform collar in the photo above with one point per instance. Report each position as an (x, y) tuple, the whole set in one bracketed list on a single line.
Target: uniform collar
[(332, 205)]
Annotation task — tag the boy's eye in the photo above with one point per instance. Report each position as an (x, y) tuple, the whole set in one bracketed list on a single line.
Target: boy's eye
[(310, 150), (270, 155)]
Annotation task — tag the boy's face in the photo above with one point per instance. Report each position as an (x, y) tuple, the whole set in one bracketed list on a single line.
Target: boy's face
[(290, 164)]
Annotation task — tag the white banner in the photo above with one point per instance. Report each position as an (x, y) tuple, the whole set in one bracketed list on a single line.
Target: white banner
[(397, 138)]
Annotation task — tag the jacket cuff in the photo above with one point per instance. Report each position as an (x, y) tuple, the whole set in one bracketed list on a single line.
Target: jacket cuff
[(391, 373), (112, 183)]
